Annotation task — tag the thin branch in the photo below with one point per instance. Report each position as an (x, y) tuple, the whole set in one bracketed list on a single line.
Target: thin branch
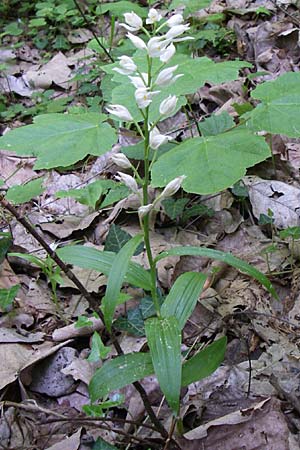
[(92, 31)]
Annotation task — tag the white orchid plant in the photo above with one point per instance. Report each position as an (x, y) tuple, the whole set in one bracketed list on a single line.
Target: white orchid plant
[(147, 85)]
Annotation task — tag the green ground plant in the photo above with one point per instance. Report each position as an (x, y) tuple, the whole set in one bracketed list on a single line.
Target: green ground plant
[(144, 88)]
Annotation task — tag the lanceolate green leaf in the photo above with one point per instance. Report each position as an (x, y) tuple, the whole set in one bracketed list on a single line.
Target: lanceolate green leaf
[(164, 340), (91, 258), (116, 277), (119, 372), (204, 363), (61, 139), (279, 111), (125, 369), (221, 256), (183, 297), (211, 163)]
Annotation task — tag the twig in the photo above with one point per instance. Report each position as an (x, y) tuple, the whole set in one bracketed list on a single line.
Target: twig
[(92, 31)]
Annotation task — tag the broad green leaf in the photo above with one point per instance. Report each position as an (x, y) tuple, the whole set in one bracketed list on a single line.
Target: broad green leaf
[(116, 277), (216, 124), (204, 363), (191, 6), (279, 111), (211, 163), (119, 8), (119, 372), (31, 258), (101, 444), (5, 243), (26, 192), (61, 139), (221, 256), (117, 238), (98, 349), (7, 296), (116, 193), (183, 296), (91, 258), (164, 340)]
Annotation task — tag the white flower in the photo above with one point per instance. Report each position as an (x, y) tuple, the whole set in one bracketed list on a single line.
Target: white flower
[(177, 19), (129, 181), (137, 42), (172, 187), (121, 112), (140, 82), (153, 16), (127, 64), (177, 30), (144, 210), (168, 105), (157, 45), (156, 139), (133, 21), (121, 160), (143, 97), (166, 77), (167, 53)]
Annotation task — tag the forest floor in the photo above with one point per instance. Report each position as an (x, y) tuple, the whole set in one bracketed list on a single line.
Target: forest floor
[(49, 65)]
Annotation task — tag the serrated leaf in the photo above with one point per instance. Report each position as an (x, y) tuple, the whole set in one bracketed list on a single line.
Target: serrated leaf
[(204, 363), (279, 111), (116, 277), (211, 163), (61, 139), (197, 210), (132, 324), (7, 296), (91, 258), (117, 238), (119, 372), (183, 296), (174, 207), (216, 124), (26, 192), (220, 256), (164, 340)]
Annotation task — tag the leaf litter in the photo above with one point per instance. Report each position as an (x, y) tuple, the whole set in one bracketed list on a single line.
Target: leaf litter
[(239, 405)]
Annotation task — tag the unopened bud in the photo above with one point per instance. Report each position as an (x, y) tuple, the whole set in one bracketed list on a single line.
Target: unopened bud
[(144, 210), (172, 187), (129, 181), (121, 160)]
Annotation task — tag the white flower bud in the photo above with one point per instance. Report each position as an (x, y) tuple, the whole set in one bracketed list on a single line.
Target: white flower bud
[(127, 64), (137, 42), (144, 210), (172, 187), (121, 160), (139, 82), (121, 112), (153, 16), (156, 139), (166, 77), (143, 97), (167, 53), (168, 105), (133, 22), (177, 30), (156, 46), (129, 181), (177, 19)]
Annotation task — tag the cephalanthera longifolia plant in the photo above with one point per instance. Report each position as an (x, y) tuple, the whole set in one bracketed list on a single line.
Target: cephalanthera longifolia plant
[(151, 75), (148, 87)]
